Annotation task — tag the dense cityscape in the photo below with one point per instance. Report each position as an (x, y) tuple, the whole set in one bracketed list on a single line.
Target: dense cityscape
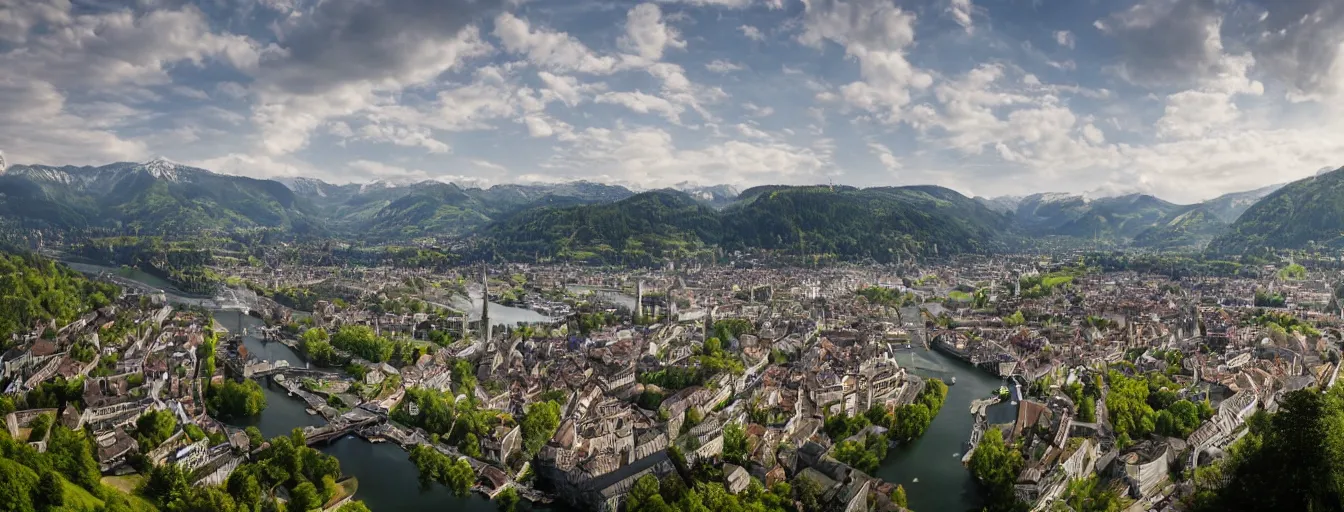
[(671, 255), (1099, 383)]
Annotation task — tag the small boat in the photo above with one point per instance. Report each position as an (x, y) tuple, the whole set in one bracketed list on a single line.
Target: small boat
[(953, 381)]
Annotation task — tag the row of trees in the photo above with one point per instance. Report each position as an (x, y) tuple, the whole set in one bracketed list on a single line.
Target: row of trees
[(672, 494), (434, 466)]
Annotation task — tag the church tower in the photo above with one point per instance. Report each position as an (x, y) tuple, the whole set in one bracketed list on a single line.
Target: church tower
[(487, 330), (639, 300)]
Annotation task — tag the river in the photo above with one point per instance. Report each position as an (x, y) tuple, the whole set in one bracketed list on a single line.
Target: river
[(930, 467), (387, 479)]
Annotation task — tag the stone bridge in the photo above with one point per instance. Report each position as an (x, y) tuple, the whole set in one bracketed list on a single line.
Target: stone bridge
[(334, 431), (290, 371)]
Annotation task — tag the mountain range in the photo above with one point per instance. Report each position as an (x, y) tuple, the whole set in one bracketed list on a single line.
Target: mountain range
[(593, 221)]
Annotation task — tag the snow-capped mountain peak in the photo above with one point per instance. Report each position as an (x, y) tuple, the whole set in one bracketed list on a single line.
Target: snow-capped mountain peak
[(163, 168), (302, 185), (708, 192)]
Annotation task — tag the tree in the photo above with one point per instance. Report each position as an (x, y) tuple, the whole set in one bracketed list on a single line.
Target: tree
[(644, 490), (898, 496), (471, 446), (996, 465), (538, 426), (1088, 495), (329, 488), (735, 444), (1087, 410), (15, 490), (1288, 461), (460, 477), (72, 454), (507, 500), (153, 428), (39, 427), (243, 485), (232, 399), (354, 506), (254, 437), (807, 492), (316, 343), (49, 493), (304, 497), (857, 455)]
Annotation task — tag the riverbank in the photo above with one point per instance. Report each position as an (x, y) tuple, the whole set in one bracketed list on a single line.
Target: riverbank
[(930, 467)]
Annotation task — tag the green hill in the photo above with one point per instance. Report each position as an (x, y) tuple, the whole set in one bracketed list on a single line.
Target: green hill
[(1228, 207), (1189, 229), (880, 223), (1302, 212), (432, 208), (1075, 216), (639, 230), (153, 197), (847, 223)]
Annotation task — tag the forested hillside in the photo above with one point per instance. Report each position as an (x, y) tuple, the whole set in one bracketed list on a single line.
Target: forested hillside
[(1301, 213), (35, 291)]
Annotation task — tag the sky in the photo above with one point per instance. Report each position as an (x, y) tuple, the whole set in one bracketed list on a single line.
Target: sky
[(1183, 99)]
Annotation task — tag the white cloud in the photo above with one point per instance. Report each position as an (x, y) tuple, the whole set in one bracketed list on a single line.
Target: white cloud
[(540, 125), (960, 11), (751, 32), (722, 66), (550, 49), (568, 89), (876, 33), (254, 165), (286, 119), (40, 127), (647, 36), (730, 4), (118, 47), (643, 104), (1093, 134), (1197, 112), (885, 156), (408, 136), (649, 156), (751, 131), (757, 110), (489, 166), (1064, 38)]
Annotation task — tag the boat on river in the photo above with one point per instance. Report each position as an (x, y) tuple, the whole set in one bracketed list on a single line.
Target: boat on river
[(953, 381)]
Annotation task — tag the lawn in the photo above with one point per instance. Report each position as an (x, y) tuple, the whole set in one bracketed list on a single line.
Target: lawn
[(1051, 281), (126, 484)]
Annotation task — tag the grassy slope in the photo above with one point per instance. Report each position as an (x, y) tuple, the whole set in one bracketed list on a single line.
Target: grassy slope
[(77, 499)]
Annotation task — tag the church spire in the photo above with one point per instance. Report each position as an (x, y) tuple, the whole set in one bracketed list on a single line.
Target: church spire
[(486, 328)]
